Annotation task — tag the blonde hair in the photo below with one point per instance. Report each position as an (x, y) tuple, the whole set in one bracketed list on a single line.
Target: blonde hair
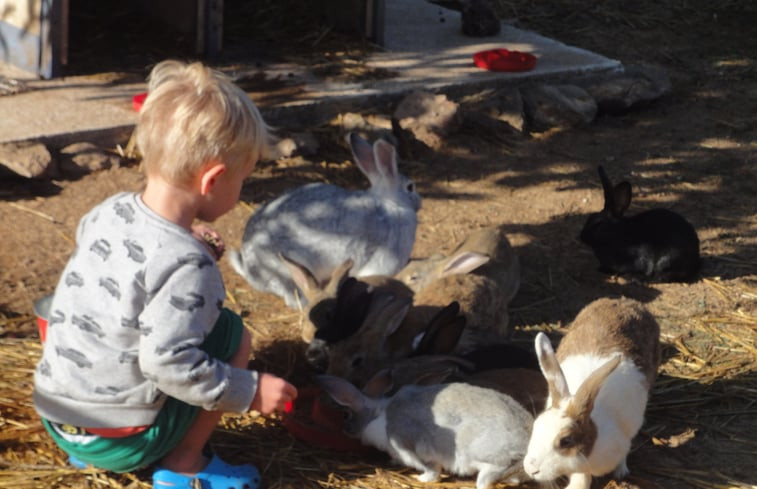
[(193, 114)]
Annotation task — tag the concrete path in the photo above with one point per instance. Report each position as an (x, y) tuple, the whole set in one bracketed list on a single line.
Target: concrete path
[(421, 51)]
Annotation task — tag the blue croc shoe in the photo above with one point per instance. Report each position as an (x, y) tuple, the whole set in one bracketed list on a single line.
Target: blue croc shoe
[(76, 463), (217, 475)]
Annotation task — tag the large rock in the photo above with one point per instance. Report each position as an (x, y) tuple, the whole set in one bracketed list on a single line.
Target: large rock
[(503, 104), (634, 86), (28, 159), (427, 116), (79, 159), (302, 143), (553, 106)]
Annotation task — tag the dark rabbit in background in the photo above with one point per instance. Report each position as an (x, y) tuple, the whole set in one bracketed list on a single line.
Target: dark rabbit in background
[(659, 244)]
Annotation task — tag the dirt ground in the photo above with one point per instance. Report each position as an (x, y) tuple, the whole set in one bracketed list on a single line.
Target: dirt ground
[(692, 151)]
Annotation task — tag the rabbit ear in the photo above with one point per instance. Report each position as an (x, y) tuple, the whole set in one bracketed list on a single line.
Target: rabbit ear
[(362, 152), (443, 331), (385, 157), (463, 262), (352, 304), (338, 276), (380, 384), (341, 318), (607, 188), (422, 370), (550, 367), (583, 402), (384, 316), (621, 198), (342, 391), (435, 369), (353, 299), (302, 277)]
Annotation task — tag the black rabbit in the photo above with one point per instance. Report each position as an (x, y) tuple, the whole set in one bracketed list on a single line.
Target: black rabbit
[(659, 244)]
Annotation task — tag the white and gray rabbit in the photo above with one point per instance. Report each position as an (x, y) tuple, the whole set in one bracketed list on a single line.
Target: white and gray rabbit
[(321, 225), (599, 383), (460, 428)]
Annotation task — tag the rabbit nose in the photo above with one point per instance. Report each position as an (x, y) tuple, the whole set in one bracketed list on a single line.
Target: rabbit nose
[(531, 467), (317, 355)]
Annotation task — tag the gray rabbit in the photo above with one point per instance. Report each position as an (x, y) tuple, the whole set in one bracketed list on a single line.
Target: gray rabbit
[(460, 428), (321, 225)]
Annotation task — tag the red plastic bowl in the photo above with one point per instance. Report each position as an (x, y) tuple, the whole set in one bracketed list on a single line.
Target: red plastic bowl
[(137, 101), (504, 60), (310, 420), (42, 311)]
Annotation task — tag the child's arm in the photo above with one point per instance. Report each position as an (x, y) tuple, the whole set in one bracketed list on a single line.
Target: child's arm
[(272, 394)]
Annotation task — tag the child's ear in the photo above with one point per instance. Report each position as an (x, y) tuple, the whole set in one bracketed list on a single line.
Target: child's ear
[(210, 174)]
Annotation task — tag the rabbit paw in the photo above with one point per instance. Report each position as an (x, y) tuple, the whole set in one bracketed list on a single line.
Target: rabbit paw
[(621, 470), (429, 475), (579, 481)]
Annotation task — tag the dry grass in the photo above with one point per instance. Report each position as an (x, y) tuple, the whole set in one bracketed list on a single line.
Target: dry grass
[(706, 389)]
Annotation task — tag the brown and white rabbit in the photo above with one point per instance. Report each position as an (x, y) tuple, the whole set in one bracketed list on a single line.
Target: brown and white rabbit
[(460, 428), (599, 383), (482, 275)]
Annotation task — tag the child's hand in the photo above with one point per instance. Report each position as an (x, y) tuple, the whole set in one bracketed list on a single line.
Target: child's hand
[(210, 238), (273, 394)]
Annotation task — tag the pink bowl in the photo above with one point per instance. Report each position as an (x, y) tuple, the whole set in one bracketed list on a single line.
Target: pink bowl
[(504, 60), (137, 101), (310, 420), (42, 311)]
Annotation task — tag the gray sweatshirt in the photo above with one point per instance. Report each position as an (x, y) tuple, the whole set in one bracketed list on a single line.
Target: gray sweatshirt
[(135, 301)]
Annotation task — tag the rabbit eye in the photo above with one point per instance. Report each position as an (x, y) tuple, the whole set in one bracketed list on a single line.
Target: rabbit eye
[(356, 362), (346, 415), (566, 442), (410, 187)]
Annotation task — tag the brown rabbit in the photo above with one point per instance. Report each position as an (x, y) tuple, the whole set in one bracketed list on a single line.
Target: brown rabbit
[(431, 361), (386, 337), (434, 363), (527, 386), (482, 274), (322, 296)]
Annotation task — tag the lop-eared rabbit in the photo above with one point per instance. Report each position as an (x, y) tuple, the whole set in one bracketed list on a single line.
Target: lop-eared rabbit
[(321, 225), (657, 244), (599, 382), (460, 428)]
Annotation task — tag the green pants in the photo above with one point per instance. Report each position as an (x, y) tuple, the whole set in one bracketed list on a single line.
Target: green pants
[(174, 419)]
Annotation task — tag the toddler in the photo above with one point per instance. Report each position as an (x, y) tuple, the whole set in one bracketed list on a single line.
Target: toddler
[(141, 358)]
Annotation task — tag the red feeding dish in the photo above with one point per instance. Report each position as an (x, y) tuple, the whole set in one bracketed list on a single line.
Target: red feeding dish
[(137, 101), (318, 423), (42, 311), (504, 60)]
